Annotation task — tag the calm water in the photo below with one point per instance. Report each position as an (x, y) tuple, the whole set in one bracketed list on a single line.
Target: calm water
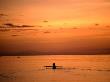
[(76, 68)]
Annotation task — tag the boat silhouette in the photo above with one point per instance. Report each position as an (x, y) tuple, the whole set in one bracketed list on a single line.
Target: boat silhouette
[(53, 67)]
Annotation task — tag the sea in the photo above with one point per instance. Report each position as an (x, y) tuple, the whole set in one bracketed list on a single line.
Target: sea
[(73, 68)]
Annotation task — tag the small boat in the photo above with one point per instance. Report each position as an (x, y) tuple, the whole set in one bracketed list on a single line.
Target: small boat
[(53, 67)]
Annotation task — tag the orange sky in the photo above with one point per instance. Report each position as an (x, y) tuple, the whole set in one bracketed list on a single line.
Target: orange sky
[(59, 26), (57, 12)]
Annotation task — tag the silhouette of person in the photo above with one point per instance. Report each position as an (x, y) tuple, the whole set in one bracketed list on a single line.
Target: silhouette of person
[(54, 66)]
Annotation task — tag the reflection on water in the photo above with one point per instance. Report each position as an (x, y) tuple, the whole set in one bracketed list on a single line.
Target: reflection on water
[(75, 68)]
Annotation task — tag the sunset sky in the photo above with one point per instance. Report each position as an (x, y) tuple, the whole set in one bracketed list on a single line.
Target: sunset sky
[(54, 27)]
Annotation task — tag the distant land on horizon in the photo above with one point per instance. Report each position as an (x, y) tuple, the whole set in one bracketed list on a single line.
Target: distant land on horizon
[(54, 53)]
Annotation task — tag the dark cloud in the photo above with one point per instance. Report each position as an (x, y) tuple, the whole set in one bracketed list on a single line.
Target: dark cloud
[(108, 26), (18, 30), (47, 32), (45, 21), (74, 28), (10, 25), (96, 24), (1, 14), (26, 26), (16, 26)]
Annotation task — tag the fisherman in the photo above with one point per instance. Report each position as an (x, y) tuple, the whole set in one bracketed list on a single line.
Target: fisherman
[(54, 66)]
